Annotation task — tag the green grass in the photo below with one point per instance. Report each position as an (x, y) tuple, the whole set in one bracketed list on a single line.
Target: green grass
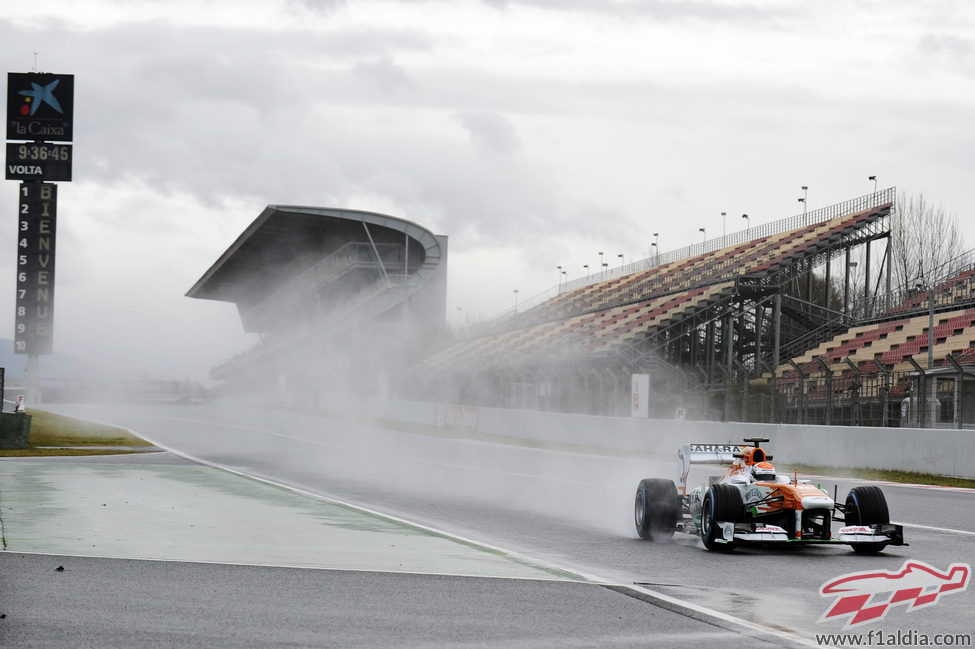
[(907, 477), (70, 436)]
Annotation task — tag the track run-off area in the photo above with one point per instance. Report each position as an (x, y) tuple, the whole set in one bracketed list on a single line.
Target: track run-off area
[(421, 539)]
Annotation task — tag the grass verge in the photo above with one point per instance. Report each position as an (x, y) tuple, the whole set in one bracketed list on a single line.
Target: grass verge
[(52, 434), (905, 477)]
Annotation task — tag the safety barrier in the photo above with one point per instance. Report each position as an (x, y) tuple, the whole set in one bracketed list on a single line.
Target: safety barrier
[(945, 452)]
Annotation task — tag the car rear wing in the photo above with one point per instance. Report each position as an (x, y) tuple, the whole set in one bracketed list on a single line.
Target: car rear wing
[(689, 454)]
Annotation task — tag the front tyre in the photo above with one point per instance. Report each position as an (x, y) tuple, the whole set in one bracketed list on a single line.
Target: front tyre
[(866, 506), (722, 504), (656, 509)]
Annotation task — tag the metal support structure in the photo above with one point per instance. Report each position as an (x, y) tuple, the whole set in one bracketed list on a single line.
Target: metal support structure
[(710, 343), (866, 282), (858, 383), (759, 317), (921, 377), (809, 284), (801, 405), (959, 383), (829, 267), (744, 390), (887, 304), (846, 284), (828, 375), (729, 362), (33, 380), (885, 404), (776, 337), (375, 251), (934, 383)]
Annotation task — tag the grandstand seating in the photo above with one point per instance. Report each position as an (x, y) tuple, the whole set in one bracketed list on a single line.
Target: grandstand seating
[(891, 343), (596, 318), (758, 256)]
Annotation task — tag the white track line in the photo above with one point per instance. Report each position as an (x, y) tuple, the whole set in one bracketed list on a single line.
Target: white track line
[(888, 483), (946, 530), (665, 601)]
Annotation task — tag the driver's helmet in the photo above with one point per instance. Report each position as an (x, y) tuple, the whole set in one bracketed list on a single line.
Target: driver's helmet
[(763, 472)]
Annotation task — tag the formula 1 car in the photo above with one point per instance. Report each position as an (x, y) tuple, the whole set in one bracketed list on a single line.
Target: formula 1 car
[(751, 503)]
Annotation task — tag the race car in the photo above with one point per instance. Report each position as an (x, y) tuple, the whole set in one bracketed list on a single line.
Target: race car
[(752, 503)]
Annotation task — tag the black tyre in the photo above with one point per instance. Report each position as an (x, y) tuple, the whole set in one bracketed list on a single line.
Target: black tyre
[(656, 509), (722, 503), (866, 506)]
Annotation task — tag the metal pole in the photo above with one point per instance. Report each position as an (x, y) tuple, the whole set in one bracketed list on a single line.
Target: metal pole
[(730, 336), (33, 384), (829, 266), (801, 401), (375, 251), (887, 304), (959, 381), (934, 380), (846, 286), (866, 282), (931, 326), (775, 354)]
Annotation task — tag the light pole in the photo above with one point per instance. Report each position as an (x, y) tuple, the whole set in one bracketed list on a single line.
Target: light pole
[(656, 248), (932, 400), (922, 284), (586, 266), (703, 231), (874, 179), (601, 264), (559, 268), (803, 200), (516, 300), (724, 231), (620, 256), (931, 326), (748, 223), (933, 415)]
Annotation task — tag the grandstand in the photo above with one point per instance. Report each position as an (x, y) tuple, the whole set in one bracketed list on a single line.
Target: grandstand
[(339, 297), (750, 327), (923, 345), (716, 326)]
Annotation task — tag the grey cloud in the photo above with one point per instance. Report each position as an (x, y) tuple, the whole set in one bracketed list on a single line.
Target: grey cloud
[(491, 133), (321, 6), (384, 73), (663, 10), (949, 49)]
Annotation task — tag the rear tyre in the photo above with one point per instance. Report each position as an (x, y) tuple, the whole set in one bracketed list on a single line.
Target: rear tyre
[(866, 506), (722, 503), (656, 509)]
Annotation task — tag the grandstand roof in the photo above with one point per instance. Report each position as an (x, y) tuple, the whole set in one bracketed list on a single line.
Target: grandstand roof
[(285, 240)]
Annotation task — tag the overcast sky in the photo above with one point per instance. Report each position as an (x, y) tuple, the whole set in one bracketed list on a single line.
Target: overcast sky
[(534, 133)]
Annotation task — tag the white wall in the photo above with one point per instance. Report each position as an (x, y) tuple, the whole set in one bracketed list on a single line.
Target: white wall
[(937, 451)]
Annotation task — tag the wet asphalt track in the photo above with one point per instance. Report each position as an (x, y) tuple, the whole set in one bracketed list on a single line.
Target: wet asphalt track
[(566, 509)]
